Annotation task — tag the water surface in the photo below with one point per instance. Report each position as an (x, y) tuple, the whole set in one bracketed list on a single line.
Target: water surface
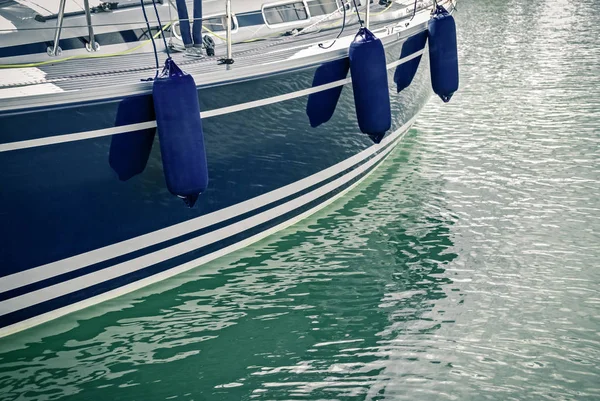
[(465, 268)]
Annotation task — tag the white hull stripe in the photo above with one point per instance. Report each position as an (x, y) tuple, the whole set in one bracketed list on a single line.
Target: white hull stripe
[(154, 258), (53, 140), (80, 261), (128, 288)]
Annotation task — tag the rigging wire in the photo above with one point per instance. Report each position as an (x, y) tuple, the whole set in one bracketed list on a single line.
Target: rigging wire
[(414, 11), (160, 28), (360, 21), (339, 34), (151, 38)]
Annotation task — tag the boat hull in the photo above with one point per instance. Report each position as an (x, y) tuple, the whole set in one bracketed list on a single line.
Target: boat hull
[(75, 234)]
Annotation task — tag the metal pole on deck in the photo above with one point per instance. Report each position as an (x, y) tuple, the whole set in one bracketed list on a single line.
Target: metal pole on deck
[(229, 59), (56, 50), (368, 19), (92, 46)]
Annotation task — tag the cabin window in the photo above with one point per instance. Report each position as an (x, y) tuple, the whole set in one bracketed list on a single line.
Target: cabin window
[(322, 7), (217, 24), (285, 13), (250, 19)]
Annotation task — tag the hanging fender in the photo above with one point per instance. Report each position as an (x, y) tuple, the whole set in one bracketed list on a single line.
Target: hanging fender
[(443, 54), (370, 84), (180, 133)]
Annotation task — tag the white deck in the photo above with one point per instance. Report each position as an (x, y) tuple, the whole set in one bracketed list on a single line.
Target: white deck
[(89, 79)]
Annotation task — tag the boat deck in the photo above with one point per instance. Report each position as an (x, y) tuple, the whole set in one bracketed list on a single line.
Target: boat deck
[(92, 72), (105, 77), (101, 72)]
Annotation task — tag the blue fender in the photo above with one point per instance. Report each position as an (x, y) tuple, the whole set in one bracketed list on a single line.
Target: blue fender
[(443, 54), (180, 133), (370, 84)]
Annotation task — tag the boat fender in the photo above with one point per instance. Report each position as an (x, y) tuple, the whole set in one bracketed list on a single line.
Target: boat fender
[(180, 133), (443, 54), (321, 105), (130, 151), (405, 72), (370, 83)]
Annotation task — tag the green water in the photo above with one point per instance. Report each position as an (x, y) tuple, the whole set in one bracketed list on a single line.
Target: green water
[(465, 268)]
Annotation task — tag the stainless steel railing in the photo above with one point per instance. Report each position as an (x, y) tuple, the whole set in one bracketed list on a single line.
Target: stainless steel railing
[(91, 46), (56, 50)]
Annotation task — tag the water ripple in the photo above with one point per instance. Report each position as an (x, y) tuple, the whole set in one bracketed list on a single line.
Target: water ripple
[(465, 268)]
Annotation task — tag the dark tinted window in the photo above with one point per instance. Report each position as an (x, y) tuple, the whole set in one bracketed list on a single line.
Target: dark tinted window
[(250, 19)]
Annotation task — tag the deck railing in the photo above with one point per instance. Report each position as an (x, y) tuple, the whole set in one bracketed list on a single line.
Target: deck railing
[(56, 50), (91, 46)]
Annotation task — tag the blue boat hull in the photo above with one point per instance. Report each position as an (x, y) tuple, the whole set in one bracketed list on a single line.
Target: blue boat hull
[(75, 234)]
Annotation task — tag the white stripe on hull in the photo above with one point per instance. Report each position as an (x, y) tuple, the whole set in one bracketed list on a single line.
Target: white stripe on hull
[(194, 263), (80, 261), (163, 255)]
